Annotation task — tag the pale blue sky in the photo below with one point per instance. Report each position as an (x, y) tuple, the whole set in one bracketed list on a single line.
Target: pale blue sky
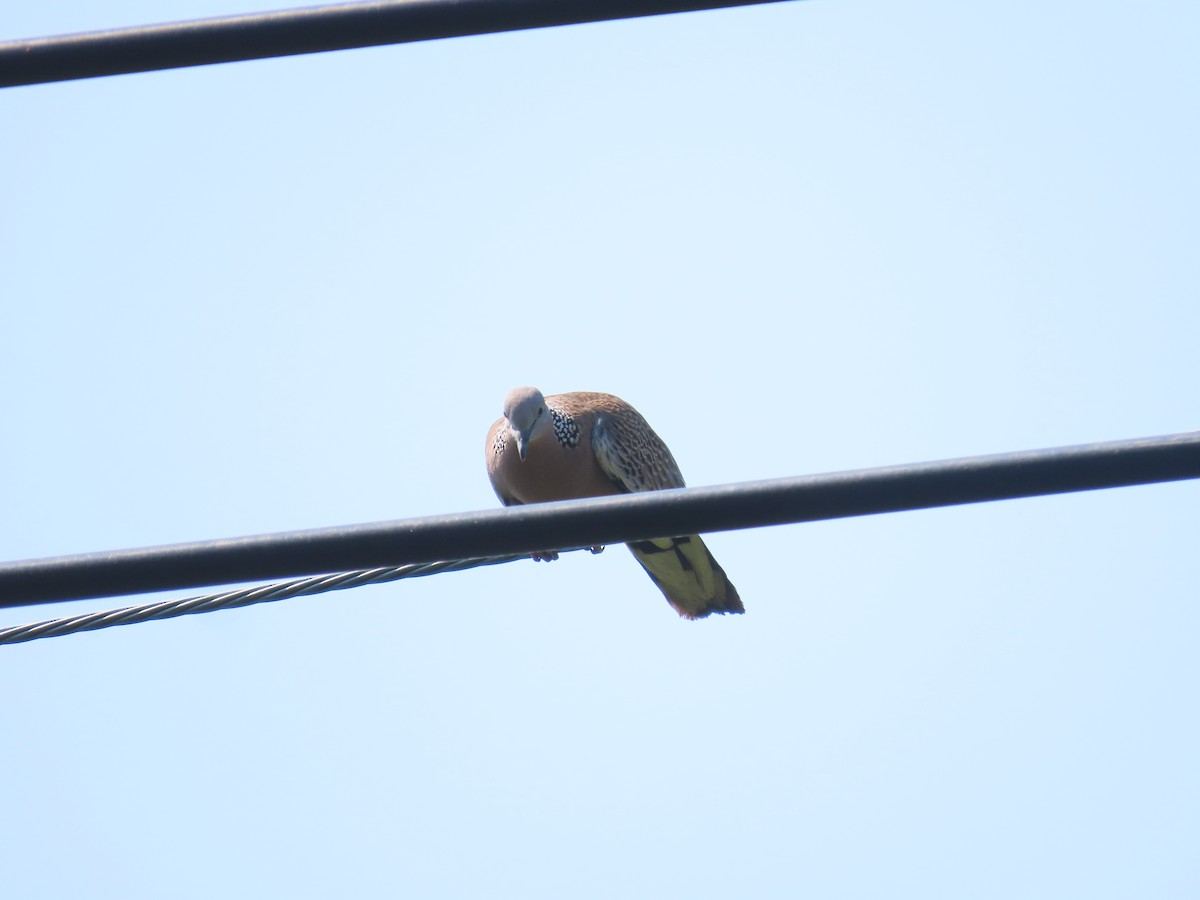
[(799, 238)]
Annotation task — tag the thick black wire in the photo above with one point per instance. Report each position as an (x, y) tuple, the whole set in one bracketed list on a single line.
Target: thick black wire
[(607, 520), (313, 29)]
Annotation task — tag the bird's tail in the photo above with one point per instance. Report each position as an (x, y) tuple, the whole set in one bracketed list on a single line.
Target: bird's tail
[(688, 576)]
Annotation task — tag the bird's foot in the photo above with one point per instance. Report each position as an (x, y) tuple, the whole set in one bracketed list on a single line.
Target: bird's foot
[(551, 555)]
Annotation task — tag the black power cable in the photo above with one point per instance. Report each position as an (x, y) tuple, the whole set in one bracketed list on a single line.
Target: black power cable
[(315, 29), (607, 520)]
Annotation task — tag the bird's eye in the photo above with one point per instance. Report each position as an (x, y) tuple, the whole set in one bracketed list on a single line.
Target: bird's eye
[(541, 409)]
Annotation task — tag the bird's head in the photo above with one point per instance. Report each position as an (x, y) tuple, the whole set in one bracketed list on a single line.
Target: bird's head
[(524, 408)]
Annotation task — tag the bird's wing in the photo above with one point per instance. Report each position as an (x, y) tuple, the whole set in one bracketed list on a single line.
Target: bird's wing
[(630, 453)]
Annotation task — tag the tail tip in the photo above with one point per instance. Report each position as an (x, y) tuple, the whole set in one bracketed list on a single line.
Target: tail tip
[(729, 604)]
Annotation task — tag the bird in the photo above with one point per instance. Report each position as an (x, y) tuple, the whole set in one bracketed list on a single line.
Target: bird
[(588, 444)]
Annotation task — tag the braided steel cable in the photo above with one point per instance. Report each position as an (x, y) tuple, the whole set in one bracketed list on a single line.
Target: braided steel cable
[(264, 593)]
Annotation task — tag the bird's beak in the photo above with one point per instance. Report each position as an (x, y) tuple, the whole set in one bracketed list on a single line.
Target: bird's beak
[(522, 443)]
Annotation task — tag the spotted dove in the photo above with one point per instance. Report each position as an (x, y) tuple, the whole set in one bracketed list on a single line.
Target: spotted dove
[(582, 444)]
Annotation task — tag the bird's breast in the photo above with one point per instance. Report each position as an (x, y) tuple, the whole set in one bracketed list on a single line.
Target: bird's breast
[(552, 470)]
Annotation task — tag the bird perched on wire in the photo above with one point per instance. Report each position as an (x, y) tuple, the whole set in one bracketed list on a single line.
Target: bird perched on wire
[(583, 444)]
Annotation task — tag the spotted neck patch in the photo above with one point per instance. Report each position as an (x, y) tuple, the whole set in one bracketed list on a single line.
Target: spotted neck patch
[(566, 429)]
